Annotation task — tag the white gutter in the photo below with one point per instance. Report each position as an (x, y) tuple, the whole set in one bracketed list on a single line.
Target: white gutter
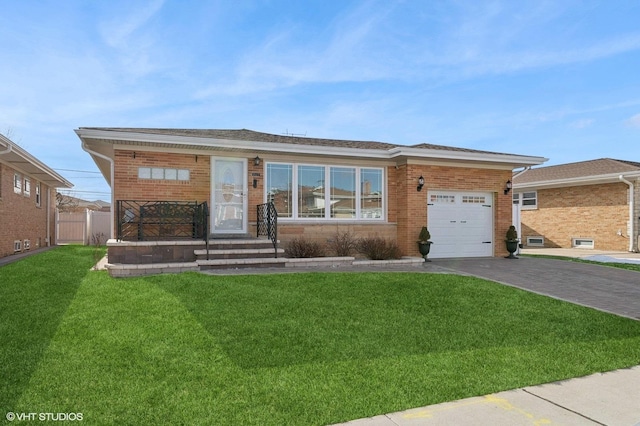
[(113, 204), (632, 233), (7, 150), (577, 181)]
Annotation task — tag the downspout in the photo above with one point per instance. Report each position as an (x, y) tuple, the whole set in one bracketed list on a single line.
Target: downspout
[(49, 217), (632, 232), (112, 172)]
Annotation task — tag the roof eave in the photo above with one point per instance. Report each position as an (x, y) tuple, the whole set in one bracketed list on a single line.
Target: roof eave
[(577, 181), (46, 173), (393, 153), (508, 159)]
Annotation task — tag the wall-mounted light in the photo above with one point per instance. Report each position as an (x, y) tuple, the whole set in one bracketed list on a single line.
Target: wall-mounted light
[(134, 154), (420, 183), (256, 161), (255, 183), (507, 187)]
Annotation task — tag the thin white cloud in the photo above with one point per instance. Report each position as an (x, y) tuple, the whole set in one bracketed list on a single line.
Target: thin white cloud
[(633, 121), (582, 124)]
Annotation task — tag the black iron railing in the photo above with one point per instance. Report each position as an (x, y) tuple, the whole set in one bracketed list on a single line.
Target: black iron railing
[(162, 220), (268, 223)]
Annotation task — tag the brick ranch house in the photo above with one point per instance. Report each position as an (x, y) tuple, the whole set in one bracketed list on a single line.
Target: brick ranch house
[(27, 200), (318, 186), (589, 204)]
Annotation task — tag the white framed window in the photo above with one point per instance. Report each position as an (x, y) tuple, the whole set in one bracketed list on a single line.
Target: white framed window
[(325, 192), (583, 243), (38, 196), (17, 245), (17, 183), (26, 244), (528, 200), (535, 241), (159, 173), (27, 187)]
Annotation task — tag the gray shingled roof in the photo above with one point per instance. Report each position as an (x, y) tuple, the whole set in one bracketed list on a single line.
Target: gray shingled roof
[(251, 136), (602, 166)]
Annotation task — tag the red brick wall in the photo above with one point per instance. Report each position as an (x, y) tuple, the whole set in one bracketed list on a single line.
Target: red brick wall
[(20, 218), (406, 208), (591, 211), (412, 205)]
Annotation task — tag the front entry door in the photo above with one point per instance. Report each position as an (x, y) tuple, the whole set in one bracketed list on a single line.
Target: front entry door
[(229, 195)]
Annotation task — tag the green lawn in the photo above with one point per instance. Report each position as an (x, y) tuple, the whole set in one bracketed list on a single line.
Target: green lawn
[(629, 266), (307, 348)]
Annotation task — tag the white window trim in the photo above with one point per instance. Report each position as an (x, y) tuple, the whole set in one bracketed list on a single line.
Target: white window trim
[(520, 198), (536, 244), (38, 194), (327, 200), (26, 187), (17, 183), (583, 246)]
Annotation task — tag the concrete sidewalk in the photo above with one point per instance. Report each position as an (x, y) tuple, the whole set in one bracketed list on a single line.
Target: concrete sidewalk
[(611, 399)]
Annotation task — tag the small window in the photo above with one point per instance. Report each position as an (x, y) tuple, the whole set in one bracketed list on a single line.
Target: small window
[(473, 199), (158, 173), (528, 200), (38, 197), (438, 198), (585, 243), (535, 241), (17, 183), (27, 187), (26, 244), (17, 246)]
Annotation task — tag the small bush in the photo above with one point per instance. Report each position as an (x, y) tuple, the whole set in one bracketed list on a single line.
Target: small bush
[(512, 234), (343, 243), (377, 248), (302, 248)]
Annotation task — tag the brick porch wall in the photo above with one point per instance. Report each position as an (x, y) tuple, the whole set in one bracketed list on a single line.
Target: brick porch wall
[(592, 211), (20, 217)]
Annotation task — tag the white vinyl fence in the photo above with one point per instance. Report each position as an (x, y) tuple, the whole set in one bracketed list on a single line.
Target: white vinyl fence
[(82, 227)]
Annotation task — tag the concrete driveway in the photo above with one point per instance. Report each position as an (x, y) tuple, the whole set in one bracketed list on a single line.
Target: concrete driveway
[(605, 288)]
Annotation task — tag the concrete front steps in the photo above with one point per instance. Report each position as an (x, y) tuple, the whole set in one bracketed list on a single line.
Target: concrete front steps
[(240, 253)]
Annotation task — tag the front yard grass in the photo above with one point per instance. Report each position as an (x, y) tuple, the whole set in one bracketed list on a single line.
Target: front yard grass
[(295, 349)]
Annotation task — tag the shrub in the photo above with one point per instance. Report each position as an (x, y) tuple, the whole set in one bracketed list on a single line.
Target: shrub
[(343, 243), (377, 248), (512, 234), (425, 235), (302, 248)]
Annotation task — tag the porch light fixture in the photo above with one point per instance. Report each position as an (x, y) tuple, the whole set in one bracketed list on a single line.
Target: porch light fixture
[(420, 183), (507, 187), (256, 161)]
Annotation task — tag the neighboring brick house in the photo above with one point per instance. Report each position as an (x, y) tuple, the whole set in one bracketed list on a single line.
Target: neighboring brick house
[(319, 186), (27, 200), (589, 204)]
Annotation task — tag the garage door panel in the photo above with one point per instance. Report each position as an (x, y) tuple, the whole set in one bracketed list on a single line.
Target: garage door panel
[(461, 224)]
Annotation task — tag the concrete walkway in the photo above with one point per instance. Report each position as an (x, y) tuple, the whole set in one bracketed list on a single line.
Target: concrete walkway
[(611, 398)]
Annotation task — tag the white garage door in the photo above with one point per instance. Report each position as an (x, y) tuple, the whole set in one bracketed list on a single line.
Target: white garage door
[(460, 223)]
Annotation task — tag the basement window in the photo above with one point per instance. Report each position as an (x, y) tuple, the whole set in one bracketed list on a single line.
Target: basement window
[(535, 241), (585, 243), (26, 244), (17, 246)]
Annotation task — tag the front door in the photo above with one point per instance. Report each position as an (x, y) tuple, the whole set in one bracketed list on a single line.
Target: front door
[(229, 195)]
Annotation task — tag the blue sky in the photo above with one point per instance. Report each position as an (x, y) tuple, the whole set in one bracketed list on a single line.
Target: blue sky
[(558, 79)]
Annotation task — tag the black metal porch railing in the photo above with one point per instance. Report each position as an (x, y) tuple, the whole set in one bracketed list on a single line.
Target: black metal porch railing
[(268, 223), (162, 220)]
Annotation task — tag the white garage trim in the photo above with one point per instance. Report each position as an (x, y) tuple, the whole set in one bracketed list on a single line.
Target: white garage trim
[(460, 223)]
